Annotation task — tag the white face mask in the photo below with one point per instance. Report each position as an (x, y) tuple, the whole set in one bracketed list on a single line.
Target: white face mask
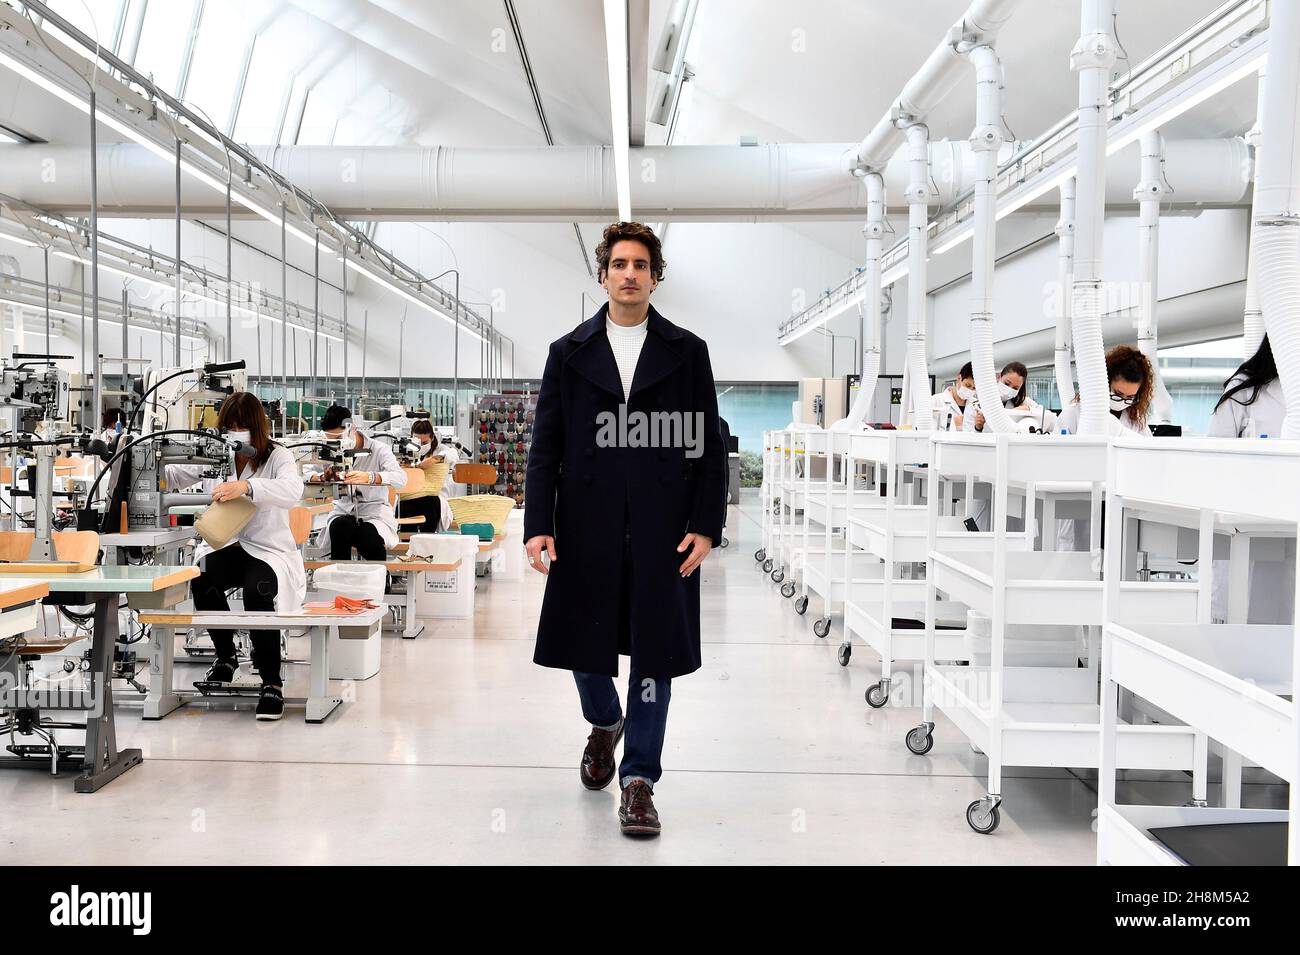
[(1120, 404), (1006, 391), (965, 394), (243, 437)]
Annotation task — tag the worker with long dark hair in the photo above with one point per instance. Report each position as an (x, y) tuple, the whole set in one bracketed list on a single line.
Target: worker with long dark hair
[(1252, 404), (262, 560)]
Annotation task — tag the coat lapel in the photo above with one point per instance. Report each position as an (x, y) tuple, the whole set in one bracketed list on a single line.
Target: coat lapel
[(660, 355), (593, 358)]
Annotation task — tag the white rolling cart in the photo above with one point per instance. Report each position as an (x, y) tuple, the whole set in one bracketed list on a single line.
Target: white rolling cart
[(766, 497), (823, 560), (1234, 682), (783, 503), (1037, 715), (892, 532)]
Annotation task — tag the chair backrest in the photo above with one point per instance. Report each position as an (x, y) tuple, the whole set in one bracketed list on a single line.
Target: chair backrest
[(81, 547), (475, 474), (300, 524)]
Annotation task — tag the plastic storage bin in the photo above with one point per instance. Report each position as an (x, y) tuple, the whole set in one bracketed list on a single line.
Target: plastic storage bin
[(352, 659), (508, 559), (450, 593)]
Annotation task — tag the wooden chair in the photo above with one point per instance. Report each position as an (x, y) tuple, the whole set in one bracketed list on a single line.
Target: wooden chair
[(78, 547), (300, 524), (481, 475), (414, 482)]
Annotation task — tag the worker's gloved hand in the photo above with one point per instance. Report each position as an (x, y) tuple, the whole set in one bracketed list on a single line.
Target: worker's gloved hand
[(700, 545), (534, 549), (228, 491)]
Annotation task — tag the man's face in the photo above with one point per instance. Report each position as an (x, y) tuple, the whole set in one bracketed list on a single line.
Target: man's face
[(628, 279)]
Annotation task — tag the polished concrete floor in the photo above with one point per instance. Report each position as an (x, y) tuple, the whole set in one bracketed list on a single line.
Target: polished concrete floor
[(462, 751)]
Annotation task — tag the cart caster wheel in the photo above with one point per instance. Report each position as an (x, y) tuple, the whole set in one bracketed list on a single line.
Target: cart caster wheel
[(822, 626), (878, 696), (759, 555), (767, 565), (920, 740), (788, 589), (844, 653), (983, 816), (725, 542), (801, 605), (778, 575)]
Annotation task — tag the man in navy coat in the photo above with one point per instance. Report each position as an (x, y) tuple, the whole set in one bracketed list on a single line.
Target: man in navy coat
[(626, 481)]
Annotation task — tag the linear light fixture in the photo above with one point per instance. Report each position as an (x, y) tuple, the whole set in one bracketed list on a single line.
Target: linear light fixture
[(352, 263), (619, 108), (62, 313)]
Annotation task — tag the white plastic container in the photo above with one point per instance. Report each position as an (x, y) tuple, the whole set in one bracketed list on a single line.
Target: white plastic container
[(451, 593), (508, 558), (352, 659)]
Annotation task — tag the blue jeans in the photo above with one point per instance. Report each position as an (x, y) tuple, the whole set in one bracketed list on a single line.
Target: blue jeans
[(647, 719)]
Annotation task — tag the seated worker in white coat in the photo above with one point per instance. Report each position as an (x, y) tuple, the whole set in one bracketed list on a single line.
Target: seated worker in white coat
[(1132, 384), (362, 517), (429, 502), (263, 559), (1013, 389), (951, 405), (1252, 406)]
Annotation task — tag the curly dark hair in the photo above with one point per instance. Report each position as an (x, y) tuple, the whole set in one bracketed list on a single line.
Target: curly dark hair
[(1129, 364), (617, 232)]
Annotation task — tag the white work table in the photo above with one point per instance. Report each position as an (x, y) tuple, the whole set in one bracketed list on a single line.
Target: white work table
[(144, 586), (163, 697), (168, 539)]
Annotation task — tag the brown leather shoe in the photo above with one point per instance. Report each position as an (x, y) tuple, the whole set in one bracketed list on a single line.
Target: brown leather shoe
[(636, 813), (597, 767)]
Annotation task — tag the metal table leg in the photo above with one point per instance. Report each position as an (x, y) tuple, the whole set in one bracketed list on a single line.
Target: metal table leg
[(162, 697), (103, 762), (319, 703)]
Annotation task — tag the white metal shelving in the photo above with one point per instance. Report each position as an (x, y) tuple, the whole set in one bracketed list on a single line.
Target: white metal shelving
[(1039, 715), (1233, 682)]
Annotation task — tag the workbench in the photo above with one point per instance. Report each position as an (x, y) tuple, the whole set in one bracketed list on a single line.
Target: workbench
[(145, 587), (415, 568), (171, 540), (163, 697)]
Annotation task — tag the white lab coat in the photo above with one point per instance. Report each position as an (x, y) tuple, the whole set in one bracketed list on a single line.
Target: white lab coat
[(1068, 419), (1072, 534), (1272, 582), (1232, 419), (449, 489), (946, 410), (369, 502), (276, 487)]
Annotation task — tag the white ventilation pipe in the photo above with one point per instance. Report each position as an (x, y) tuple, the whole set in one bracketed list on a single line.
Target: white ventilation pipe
[(936, 78), (1091, 58), (918, 234), (874, 231), (1064, 278), (803, 181), (1253, 324), (985, 139), (1149, 192), (1277, 212)]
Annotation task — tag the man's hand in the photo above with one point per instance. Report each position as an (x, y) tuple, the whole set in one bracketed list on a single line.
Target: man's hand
[(534, 548), (979, 421), (700, 545), (358, 477), (228, 491)]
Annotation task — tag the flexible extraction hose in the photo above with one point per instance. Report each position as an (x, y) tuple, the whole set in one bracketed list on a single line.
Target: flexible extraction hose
[(1064, 279), (918, 233), (1149, 192), (1277, 206), (985, 141), (1092, 57), (874, 231), (1253, 319)]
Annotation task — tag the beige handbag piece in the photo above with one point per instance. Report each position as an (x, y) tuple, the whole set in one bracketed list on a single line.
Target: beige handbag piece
[(219, 524)]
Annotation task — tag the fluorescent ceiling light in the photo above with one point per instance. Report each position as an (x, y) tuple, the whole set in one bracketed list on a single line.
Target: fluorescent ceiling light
[(393, 287), (951, 242), (40, 310), (9, 236), (616, 59)]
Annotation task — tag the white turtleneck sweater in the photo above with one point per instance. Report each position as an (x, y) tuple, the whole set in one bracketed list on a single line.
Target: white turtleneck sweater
[(626, 344)]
